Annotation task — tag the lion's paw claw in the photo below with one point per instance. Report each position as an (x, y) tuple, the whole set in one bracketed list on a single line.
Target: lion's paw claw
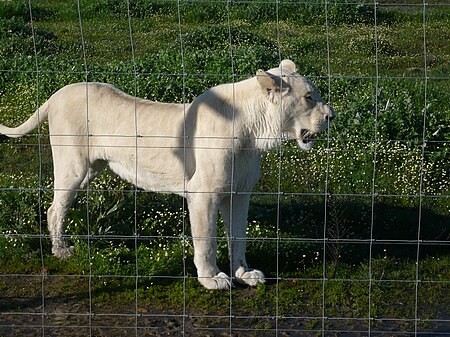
[(252, 277), (220, 281)]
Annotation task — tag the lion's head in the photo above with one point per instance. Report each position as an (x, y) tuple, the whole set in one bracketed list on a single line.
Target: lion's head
[(304, 111)]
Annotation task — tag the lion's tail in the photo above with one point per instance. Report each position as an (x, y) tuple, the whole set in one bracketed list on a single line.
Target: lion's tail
[(40, 115)]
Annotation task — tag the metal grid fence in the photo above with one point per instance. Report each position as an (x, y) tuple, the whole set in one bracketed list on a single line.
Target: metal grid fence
[(52, 301)]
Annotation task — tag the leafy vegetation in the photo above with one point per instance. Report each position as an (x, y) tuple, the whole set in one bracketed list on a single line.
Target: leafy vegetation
[(378, 182)]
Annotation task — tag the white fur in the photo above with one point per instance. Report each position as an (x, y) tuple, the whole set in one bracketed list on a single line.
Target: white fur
[(207, 151)]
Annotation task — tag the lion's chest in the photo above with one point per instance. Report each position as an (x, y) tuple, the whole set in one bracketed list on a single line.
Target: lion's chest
[(225, 170)]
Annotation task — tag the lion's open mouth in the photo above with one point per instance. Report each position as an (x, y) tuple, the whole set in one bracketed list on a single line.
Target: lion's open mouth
[(306, 136)]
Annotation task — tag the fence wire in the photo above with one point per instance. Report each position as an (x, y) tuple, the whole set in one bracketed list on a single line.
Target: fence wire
[(322, 295)]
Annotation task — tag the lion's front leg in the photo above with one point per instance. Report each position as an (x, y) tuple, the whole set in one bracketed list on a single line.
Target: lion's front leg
[(234, 211), (203, 212)]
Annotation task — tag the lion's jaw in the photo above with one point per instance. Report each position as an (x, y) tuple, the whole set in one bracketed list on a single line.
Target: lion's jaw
[(306, 126), (307, 136)]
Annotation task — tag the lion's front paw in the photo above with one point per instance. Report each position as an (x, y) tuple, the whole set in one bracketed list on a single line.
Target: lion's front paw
[(252, 277), (220, 281)]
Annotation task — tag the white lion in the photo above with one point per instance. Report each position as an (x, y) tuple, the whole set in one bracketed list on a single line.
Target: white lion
[(208, 151)]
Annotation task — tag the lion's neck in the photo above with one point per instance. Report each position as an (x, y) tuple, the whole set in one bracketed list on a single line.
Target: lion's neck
[(267, 135), (256, 121), (262, 119)]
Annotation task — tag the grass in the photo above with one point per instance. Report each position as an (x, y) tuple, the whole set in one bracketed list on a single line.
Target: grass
[(377, 118), (298, 300)]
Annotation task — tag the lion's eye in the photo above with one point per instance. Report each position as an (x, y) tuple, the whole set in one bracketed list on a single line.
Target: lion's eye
[(309, 98)]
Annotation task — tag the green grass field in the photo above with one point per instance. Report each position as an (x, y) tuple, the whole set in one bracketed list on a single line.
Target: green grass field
[(384, 71)]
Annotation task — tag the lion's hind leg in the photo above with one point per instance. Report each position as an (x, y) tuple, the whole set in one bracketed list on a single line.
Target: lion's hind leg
[(56, 218), (69, 173)]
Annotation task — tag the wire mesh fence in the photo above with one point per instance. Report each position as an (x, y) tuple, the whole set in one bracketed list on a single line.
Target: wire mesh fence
[(353, 235)]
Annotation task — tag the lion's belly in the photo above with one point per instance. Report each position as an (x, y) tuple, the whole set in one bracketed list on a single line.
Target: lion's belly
[(150, 178), (154, 166)]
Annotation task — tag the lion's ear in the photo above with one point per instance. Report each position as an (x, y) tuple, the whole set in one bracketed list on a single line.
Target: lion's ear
[(288, 65), (268, 81), (270, 84)]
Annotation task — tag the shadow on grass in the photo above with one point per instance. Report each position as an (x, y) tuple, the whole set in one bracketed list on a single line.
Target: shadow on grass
[(349, 229)]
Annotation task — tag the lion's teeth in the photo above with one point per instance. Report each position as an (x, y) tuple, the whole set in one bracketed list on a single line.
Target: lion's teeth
[(306, 136)]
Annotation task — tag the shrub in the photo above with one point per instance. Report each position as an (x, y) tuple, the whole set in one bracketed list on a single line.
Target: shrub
[(19, 9), (19, 209), (138, 8), (304, 14), (223, 37), (16, 37), (351, 14), (203, 12)]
